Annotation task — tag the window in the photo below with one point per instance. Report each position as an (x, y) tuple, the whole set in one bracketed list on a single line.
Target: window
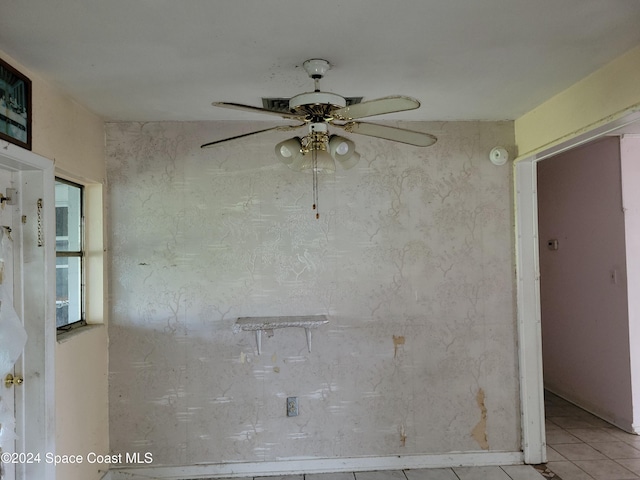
[(69, 255)]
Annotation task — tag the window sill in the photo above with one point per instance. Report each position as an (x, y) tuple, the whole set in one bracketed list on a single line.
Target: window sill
[(63, 337)]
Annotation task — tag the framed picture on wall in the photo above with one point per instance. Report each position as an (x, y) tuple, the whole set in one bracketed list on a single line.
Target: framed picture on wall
[(15, 106)]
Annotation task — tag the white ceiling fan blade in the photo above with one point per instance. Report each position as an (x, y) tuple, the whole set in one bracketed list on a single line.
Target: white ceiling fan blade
[(280, 127), (396, 103), (411, 137), (249, 108)]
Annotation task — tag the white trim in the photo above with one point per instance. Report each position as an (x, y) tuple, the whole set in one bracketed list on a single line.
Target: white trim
[(625, 426), (318, 465), (609, 128), (528, 283), (528, 305), (20, 159)]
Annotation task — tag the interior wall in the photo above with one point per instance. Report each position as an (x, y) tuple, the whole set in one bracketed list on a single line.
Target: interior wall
[(67, 133), (585, 335), (73, 137), (82, 414), (64, 130), (607, 94), (630, 169), (411, 259)]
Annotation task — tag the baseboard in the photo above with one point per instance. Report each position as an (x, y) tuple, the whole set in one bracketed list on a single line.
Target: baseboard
[(316, 465), (106, 475), (620, 423)]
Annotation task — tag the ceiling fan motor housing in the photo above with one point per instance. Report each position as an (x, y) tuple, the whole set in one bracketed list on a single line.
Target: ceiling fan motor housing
[(316, 98), (305, 102)]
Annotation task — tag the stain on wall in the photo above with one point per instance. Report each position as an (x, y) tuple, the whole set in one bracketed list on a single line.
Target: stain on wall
[(479, 432), (412, 244), (397, 341)]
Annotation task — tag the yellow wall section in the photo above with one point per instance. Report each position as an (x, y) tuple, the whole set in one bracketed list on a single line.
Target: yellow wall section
[(72, 136), (82, 414), (67, 133), (599, 98)]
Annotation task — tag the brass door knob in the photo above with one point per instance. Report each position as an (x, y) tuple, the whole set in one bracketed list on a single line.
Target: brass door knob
[(10, 380)]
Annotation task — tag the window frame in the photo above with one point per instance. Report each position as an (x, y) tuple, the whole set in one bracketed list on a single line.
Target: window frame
[(80, 254)]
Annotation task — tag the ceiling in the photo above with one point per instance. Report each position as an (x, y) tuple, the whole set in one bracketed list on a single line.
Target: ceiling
[(152, 60)]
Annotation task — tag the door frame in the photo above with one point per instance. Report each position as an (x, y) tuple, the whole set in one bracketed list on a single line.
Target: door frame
[(34, 297), (528, 282)]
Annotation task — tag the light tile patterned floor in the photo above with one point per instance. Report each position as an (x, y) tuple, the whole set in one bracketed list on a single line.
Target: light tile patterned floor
[(580, 446), (514, 472)]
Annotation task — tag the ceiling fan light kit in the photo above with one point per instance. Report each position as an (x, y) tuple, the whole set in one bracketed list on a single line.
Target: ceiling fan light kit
[(318, 150)]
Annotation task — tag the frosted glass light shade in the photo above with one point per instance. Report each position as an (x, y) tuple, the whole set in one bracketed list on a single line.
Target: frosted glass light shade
[(289, 150), (325, 163), (303, 162), (350, 162), (341, 148)]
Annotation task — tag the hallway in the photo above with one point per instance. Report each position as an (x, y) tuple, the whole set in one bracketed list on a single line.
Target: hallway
[(581, 446)]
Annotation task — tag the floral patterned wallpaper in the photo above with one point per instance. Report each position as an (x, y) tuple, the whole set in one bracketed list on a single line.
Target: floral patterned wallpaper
[(411, 260)]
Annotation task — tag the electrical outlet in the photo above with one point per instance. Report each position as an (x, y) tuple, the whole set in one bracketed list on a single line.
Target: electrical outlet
[(292, 406)]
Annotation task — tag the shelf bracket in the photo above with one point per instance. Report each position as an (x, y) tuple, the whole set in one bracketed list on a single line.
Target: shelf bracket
[(260, 324)]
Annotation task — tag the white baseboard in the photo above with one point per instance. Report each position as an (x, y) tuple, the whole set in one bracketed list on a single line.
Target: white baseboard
[(316, 465), (628, 427)]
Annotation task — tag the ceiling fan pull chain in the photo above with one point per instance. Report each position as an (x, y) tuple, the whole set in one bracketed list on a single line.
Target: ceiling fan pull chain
[(314, 167)]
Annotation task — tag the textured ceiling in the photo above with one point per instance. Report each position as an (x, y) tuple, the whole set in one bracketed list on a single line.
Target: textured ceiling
[(168, 59)]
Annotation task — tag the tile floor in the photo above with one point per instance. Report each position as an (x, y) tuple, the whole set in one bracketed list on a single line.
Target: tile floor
[(581, 446), (514, 472)]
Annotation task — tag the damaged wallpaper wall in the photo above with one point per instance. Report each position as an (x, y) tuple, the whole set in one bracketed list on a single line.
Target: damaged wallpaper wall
[(411, 260)]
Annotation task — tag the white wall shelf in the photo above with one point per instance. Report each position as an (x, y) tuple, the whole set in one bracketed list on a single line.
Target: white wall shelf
[(261, 324)]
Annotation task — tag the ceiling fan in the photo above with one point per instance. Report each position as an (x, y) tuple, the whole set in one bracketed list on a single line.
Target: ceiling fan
[(317, 150), (317, 110)]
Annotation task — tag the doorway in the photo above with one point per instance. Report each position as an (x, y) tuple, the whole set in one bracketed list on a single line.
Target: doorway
[(528, 285), (583, 291)]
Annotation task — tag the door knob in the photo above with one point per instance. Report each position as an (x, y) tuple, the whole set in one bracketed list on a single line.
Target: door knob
[(10, 380)]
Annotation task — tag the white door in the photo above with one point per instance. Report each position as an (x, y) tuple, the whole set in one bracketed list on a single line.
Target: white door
[(27, 245), (11, 324)]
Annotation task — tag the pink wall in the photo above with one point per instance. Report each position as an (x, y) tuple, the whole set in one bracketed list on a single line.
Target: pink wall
[(585, 326), (630, 167)]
